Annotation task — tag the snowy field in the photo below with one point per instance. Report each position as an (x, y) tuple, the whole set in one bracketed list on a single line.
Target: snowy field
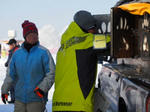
[(10, 107)]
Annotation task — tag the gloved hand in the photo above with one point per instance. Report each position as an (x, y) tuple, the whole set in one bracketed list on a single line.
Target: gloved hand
[(39, 92), (4, 98)]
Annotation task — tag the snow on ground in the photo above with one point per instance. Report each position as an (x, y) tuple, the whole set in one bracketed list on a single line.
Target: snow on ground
[(2, 74), (10, 107)]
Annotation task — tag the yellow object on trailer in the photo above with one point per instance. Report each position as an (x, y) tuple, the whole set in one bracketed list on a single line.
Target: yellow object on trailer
[(136, 8)]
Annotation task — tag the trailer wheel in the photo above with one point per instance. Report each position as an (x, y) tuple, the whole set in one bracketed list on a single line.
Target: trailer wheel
[(122, 105)]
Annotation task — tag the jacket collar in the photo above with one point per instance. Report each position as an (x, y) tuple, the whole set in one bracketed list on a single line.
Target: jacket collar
[(33, 48)]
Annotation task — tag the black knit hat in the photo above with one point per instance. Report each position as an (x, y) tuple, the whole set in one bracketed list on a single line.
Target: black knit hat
[(12, 41), (85, 20), (28, 27)]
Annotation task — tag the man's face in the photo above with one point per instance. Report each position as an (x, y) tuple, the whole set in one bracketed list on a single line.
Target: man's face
[(11, 46), (32, 38), (93, 31)]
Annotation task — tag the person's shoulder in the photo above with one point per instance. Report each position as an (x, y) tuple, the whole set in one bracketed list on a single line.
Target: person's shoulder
[(17, 53), (18, 50), (44, 51), (42, 48)]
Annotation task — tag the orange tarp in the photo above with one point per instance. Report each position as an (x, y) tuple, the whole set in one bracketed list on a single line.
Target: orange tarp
[(136, 8)]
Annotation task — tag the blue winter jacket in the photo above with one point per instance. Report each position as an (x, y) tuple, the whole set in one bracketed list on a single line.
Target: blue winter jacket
[(29, 70)]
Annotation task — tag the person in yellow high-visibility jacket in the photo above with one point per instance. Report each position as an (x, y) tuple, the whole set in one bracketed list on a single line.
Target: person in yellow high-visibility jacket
[(76, 66)]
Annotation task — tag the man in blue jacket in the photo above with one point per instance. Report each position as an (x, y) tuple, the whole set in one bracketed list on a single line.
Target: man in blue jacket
[(32, 69)]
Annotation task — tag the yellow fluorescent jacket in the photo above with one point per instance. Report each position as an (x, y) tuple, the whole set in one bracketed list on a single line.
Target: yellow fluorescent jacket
[(75, 71)]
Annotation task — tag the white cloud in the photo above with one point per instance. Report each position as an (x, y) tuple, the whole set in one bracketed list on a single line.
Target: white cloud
[(49, 38)]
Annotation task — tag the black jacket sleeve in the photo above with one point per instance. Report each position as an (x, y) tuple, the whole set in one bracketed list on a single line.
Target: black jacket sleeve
[(9, 57)]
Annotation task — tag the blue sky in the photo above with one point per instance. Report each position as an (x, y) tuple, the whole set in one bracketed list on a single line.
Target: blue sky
[(58, 13)]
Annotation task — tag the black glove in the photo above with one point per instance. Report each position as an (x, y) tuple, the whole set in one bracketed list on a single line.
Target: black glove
[(6, 64), (39, 92), (4, 98)]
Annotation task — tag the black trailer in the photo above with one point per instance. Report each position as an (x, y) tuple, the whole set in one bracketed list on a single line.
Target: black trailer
[(125, 83)]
